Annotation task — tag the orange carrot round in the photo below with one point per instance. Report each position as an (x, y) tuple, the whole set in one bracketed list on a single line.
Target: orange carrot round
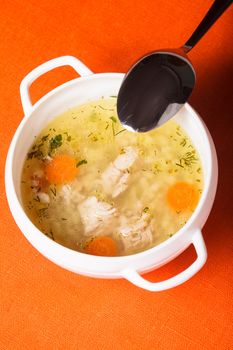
[(101, 246), (183, 196), (62, 169)]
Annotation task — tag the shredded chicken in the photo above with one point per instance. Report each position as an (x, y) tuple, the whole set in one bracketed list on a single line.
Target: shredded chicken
[(70, 194), (95, 215), (137, 233), (115, 177)]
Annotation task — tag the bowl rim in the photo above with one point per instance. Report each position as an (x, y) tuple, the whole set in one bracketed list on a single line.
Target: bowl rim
[(23, 220)]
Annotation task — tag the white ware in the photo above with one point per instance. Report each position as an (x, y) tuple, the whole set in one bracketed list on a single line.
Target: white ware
[(87, 87)]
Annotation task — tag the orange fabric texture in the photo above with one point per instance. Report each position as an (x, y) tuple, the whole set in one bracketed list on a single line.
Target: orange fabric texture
[(45, 307)]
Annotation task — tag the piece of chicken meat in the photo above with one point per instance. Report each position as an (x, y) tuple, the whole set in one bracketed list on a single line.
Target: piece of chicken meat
[(136, 234), (96, 215), (116, 175)]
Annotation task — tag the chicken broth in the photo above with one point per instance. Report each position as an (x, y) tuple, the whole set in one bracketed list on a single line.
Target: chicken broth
[(94, 187)]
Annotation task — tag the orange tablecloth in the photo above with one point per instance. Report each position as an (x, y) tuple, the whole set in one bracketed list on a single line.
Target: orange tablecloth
[(45, 307)]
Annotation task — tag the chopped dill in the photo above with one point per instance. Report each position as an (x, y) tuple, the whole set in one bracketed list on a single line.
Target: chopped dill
[(178, 164), (44, 138), (113, 129), (187, 160), (54, 191), (113, 119), (106, 109), (183, 142), (120, 132), (37, 199), (94, 138), (81, 162), (30, 206), (55, 142), (36, 154), (156, 169), (43, 213), (68, 137)]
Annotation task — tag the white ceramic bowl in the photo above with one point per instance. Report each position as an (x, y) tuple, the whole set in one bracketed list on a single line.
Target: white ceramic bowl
[(75, 92)]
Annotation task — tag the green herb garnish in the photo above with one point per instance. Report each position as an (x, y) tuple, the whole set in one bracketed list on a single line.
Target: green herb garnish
[(54, 191), (145, 210), (120, 132), (55, 142), (187, 160), (44, 138), (106, 109), (113, 129), (68, 137), (37, 199), (81, 162), (113, 119), (183, 142), (43, 213), (36, 149), (35, 154)]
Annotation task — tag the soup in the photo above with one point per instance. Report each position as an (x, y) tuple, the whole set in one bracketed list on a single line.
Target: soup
[(92, 186)]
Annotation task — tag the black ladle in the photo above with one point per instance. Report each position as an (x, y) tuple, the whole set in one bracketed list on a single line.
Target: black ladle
[(158, 85)]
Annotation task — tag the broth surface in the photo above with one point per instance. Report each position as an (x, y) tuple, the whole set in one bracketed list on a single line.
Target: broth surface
[(93, 186)]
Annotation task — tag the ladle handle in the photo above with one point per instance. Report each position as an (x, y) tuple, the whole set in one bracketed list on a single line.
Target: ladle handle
[(218, 7)]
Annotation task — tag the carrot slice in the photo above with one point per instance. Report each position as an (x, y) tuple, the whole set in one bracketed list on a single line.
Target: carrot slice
[(62, 169), (101, 246), (183, 196)]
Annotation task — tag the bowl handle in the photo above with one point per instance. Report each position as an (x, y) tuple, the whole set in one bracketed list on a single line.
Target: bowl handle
[(75, 63), (199, 244)]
